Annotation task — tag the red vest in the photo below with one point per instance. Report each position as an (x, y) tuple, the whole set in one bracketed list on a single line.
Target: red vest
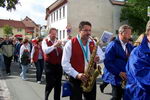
[(36, 53), (77, 58), (52, 57)]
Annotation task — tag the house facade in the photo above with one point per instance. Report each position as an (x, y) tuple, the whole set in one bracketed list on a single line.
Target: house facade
[(65, 15), (17, 26), (26, 27), (31, 28)]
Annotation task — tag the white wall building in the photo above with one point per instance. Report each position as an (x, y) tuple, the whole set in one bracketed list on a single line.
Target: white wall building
[(103, 15)]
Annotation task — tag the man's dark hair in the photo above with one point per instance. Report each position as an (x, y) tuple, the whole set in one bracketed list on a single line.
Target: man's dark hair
[(20, 38), (25, 40), (52, 29), (81, 25)]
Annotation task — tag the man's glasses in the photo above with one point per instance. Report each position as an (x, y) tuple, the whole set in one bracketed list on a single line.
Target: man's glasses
[(86, 30)]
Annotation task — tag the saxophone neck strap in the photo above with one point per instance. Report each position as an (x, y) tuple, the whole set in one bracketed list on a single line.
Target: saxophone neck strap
[(84, 48)]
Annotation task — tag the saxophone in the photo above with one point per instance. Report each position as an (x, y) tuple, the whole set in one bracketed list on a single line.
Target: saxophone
[(123, 84), (91, 72)]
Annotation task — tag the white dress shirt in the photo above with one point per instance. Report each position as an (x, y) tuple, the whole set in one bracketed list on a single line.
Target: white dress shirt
[(40, 56), (123, 45), (47, 49), (67, 52)]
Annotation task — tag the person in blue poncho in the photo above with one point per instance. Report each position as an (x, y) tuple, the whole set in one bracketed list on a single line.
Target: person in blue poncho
[(116, 56), (138, 71)]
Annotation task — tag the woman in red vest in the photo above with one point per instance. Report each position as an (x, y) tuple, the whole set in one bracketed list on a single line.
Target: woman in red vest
[(37, 58)]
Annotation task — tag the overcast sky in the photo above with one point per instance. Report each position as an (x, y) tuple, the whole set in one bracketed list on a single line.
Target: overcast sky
[(34, 9)]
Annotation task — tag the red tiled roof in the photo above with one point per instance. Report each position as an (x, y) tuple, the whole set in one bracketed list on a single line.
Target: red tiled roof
[(29, 23), (13, 23), (54, 6)]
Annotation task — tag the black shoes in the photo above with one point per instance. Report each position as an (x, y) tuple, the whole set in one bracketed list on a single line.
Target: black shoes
[(8, 74), (101, 88)]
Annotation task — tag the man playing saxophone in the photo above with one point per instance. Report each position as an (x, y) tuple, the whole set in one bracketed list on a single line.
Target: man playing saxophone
[(75, 59)]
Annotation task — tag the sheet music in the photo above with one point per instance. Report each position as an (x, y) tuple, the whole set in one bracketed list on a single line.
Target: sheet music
[(106, 36)]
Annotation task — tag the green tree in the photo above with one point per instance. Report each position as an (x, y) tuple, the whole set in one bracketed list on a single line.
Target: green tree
[(9, 4), (7, 30), (135, 12)]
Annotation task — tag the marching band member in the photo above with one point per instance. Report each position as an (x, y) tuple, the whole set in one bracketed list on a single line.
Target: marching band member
[(116, 56), (76, 54), (52, 56), (37, 57), (138, 71)]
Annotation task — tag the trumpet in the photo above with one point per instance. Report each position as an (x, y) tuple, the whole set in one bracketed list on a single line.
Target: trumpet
[(58, 43)]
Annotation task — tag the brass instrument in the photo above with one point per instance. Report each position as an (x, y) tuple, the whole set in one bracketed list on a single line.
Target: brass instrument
[(91, 72), (139, 40), (123, 83)]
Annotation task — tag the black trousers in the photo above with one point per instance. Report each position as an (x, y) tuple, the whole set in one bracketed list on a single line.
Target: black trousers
[(7, 61), (53, 80), (39, 69), (15, 58), (77, 91), (117, 92)]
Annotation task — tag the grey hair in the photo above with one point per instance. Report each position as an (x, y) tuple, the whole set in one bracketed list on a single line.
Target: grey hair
[(123, 27)]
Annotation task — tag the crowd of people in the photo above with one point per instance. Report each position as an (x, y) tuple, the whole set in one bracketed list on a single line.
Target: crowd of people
[(126, 67)]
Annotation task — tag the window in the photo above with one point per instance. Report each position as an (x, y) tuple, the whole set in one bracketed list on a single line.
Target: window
[(60, 13), (64, 11), (57, 15), (57, 34), (63, 33), (51, 17), (19, 30), (60, 35), (54, 16)]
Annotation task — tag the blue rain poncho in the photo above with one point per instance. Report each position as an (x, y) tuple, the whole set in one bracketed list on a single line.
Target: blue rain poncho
[(138, 73)]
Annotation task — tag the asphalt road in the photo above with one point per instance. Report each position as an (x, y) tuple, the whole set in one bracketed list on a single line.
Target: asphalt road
[(13, 88)]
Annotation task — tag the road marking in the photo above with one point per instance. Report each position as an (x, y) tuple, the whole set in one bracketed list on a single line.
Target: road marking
[(4, 92)]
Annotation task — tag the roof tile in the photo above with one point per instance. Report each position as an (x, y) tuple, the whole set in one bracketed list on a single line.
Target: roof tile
[(13, 23)]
